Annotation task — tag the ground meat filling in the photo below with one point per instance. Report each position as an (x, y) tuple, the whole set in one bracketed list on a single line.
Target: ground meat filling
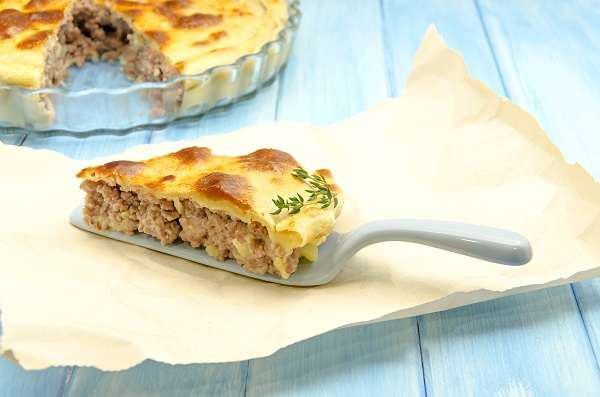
[(144, 63), (109, 208), (92, 32)]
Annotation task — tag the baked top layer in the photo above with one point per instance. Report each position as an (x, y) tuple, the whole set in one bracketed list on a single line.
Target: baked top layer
[(25, 27), (194, 35), (240, 186)]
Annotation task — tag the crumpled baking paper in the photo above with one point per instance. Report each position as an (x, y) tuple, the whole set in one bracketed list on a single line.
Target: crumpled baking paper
[(448, 149)]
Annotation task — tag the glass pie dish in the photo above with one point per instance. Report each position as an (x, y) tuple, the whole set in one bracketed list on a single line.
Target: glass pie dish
[(99, 97)]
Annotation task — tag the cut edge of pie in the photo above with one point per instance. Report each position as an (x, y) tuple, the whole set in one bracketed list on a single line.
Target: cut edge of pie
[(91, 31)]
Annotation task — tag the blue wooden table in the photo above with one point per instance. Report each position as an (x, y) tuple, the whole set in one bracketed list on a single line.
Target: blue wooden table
[(350, 54)]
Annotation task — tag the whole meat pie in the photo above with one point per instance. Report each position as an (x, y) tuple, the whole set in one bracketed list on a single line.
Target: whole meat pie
[(261, 209), (154, 39)]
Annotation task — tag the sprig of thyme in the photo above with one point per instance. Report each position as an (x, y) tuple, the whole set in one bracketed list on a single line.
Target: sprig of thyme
[(319, 193)]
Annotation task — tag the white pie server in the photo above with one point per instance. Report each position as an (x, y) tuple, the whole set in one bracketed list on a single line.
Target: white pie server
[(482, 242)]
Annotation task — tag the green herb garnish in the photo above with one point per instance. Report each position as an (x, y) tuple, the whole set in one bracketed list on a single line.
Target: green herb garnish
[(319, 193)]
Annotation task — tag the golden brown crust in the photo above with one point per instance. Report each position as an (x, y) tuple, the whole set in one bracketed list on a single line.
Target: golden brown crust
[(133, 13), (196, 35), (122, 168), (329, 177), (268, 160), (233, 188), (215, 36), (36, 39), (13, 22), (161, 38), (25, 27), (156, 184), (196, 20), (324, 172), (47, 16), (192, 155), (32, 4), (176, 4)]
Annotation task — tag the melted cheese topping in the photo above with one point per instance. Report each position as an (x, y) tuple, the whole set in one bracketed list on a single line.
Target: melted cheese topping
[(25, 27), (194, 35), (241, 186)]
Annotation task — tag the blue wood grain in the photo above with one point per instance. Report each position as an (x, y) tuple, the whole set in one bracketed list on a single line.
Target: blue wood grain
[(156, 379), (549, 57), (529, 345), (89, 147), (372, 360), (12, 138), (15, 381), (555, 75), (587, 294), (459, 24), (482, 340), (337, 67)]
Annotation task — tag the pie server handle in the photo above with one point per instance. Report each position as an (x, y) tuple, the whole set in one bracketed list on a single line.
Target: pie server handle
[(482, 242)]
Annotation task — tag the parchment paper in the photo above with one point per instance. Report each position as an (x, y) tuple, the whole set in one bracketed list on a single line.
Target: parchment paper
[(448, 149)]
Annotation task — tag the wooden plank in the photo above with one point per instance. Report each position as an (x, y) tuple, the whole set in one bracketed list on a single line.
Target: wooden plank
[(15, 381), (87, 147), (156, 379), (529, 345), (587, 294), (11, 138), (549, 57), (458, 23), (337, 67), (372, 360), (515, 346), (554, 74)]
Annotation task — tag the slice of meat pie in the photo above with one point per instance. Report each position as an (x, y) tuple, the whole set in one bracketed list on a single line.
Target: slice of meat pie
[(262, 209)]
